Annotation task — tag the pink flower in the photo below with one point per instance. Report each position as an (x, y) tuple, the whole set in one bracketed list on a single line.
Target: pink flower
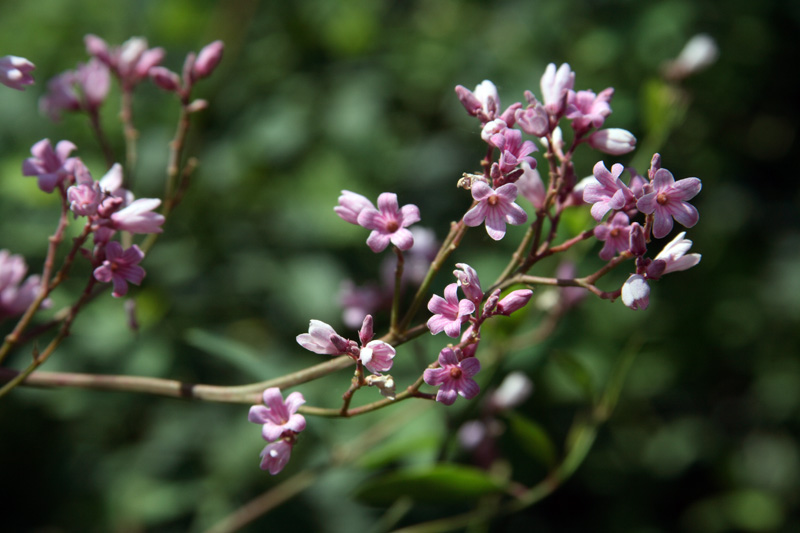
[(84, 198), (513, 150), (389, 224), (120, 268), (616, 235), (276, 416), (636, 292), (555, 84), (377, 356), (453, 377), (48, 165), (350, 206), (15, 72), (318, 339), (608, 192), (131, 61), (15, 295), (588, 110), (496, 207), (669, 200), (139, 217), (276, 455), (449, 312)]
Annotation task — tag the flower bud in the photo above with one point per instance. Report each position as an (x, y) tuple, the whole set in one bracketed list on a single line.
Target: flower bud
[(165, 79), (366, 333), (637, 240), (636, 292), (514, 301), (534, 121), (208, 59), (614, 141)]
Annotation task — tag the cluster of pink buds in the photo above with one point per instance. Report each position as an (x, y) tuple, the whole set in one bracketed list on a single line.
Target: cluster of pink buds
[(280, 424)]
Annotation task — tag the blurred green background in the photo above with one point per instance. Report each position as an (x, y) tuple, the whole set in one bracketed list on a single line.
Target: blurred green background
[(313, 97)]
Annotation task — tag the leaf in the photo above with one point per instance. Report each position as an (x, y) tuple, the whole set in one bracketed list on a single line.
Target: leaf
[(437, 484), (533, 439)]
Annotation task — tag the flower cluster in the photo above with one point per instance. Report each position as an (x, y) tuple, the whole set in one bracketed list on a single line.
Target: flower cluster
[(661, 199), (280, 424), (457, 365)]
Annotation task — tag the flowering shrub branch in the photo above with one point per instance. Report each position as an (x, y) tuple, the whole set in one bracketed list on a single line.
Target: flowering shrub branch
[(628, 214)]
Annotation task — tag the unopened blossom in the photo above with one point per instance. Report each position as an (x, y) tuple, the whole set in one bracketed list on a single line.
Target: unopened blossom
[(51, 167), (675, 257), (350, 206), (389, 223), (15, 295), (636, 292), (614, 141), (15, 72), (276, 455), (513, 301), (637, 243), (84, 199), (448, 312), (453, 377), (483, 103), (555, 84), (277, 416), (377, 356), (668, 200), (533, 120), (120, 268), (531, 186), (607, 192), (616, 235), (588, 110), (139, 217), (469, 282), (496, 207), (207, 59), (319, 339)]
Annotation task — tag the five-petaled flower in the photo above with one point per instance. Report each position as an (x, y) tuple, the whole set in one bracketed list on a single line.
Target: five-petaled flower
[(277, 416), (607, 192), (120, 267), (669, 200), (453, 377), (449, 312), (51, 167), (389, 223), (496, 207)]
